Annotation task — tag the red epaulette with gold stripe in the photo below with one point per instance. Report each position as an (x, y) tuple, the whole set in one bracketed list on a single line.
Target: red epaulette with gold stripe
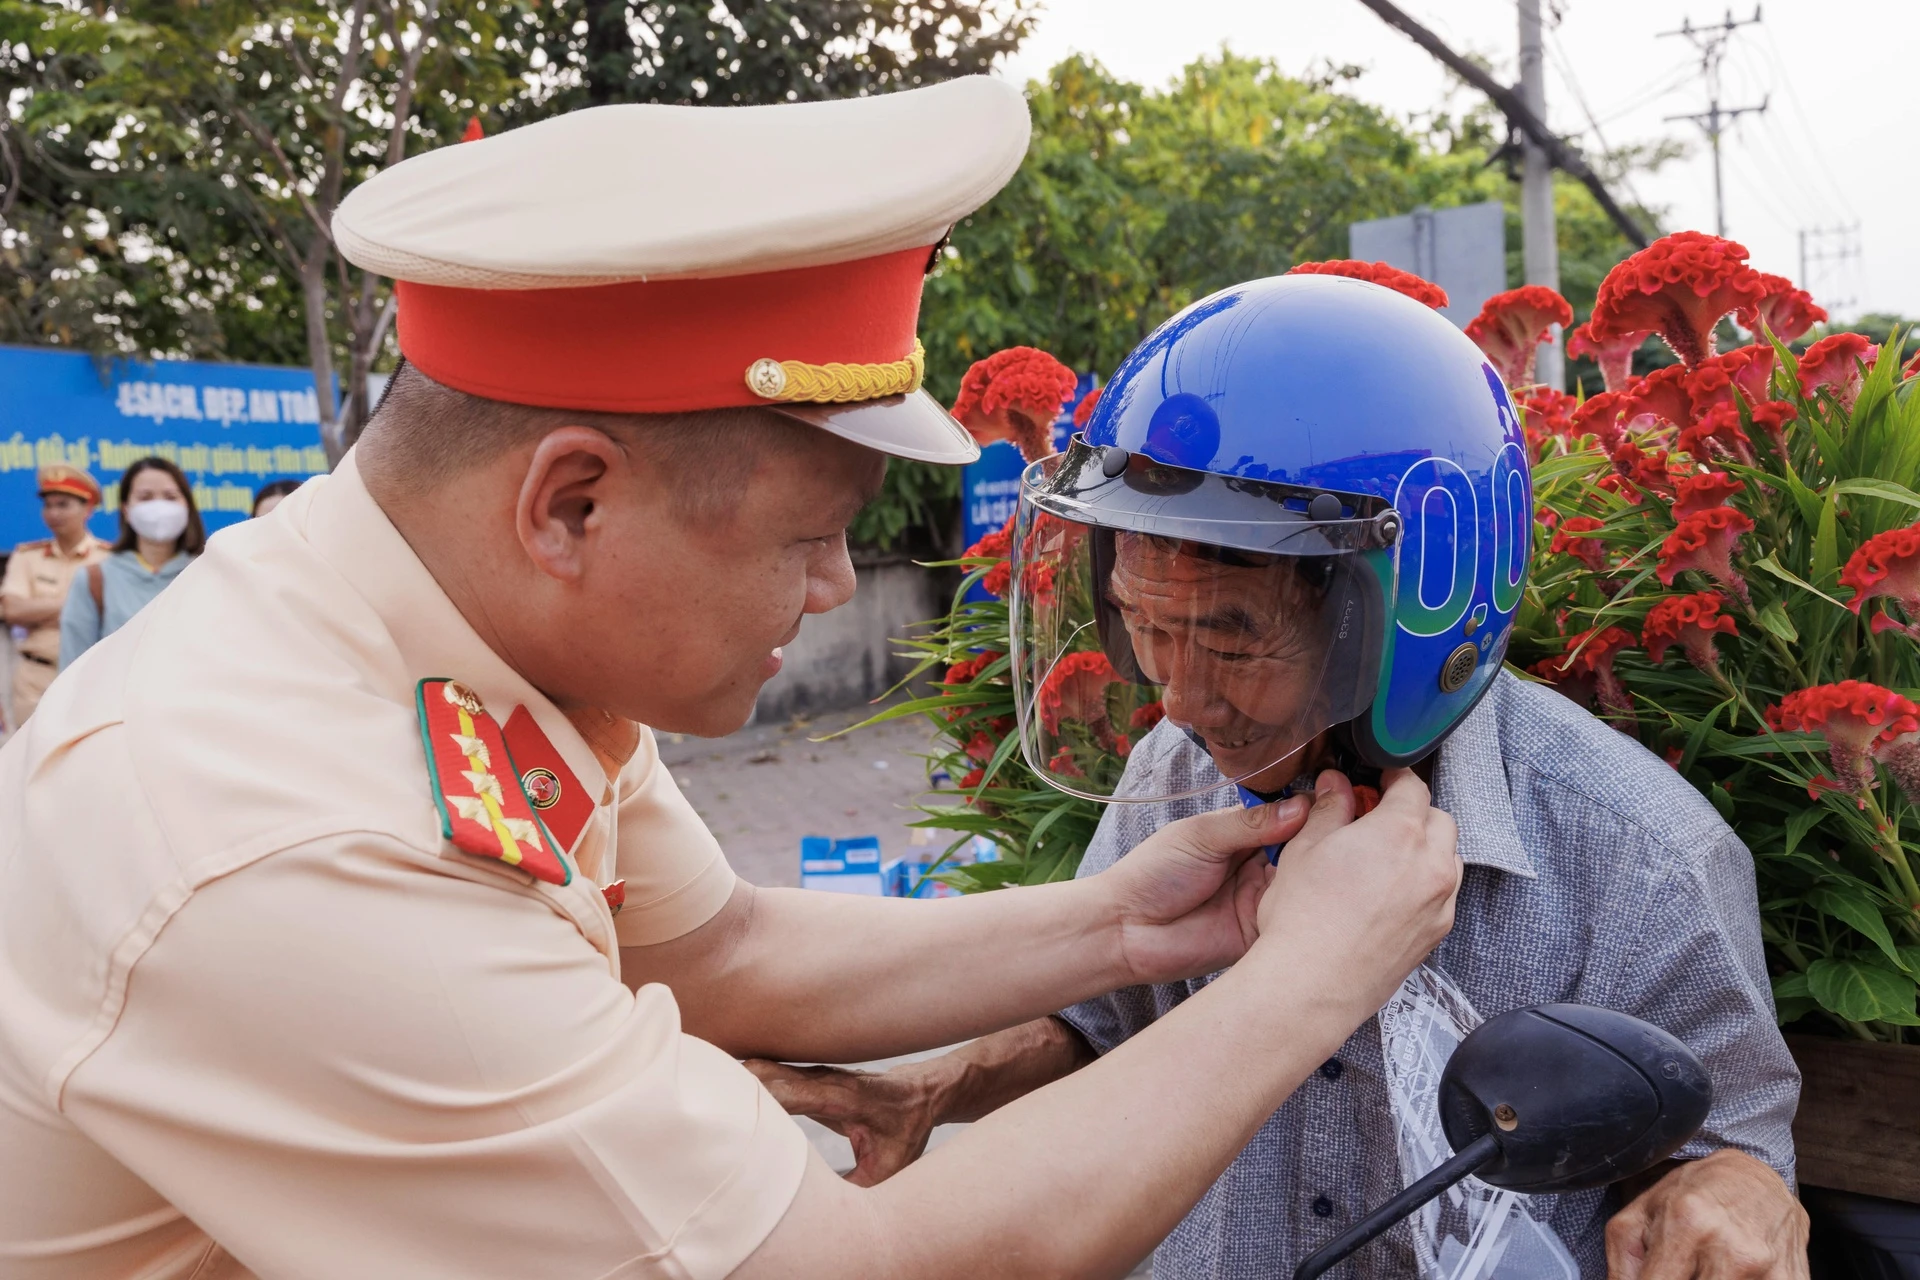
[(484, 809)]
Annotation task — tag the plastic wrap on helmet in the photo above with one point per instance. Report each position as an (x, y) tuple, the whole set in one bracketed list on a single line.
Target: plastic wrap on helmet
[(1219, 604)]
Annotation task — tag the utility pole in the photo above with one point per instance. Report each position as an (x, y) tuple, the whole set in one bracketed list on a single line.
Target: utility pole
[(1815, 251), (1540, 251), (1711, 41)]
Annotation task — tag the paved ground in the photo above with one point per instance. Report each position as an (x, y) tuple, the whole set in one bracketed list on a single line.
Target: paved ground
[(764, 787)]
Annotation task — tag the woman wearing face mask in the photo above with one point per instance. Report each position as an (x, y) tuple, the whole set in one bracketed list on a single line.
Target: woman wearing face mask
[(160, 532)]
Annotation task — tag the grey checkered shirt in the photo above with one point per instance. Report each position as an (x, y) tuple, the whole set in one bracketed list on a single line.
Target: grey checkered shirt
[(1594, 873)]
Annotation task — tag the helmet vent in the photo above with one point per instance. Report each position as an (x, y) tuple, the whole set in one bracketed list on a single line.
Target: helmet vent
[(1459, 667)]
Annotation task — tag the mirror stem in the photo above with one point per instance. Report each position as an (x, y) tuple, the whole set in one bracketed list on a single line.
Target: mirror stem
[(1477, 1155)]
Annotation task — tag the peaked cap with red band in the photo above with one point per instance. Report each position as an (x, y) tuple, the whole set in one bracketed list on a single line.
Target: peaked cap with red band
[(655, 259)]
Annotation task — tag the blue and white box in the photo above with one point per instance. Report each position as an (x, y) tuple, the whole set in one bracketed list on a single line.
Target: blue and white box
[(851, 865)]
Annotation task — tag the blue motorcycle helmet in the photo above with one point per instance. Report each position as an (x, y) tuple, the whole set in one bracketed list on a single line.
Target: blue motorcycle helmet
[(1301, 506)]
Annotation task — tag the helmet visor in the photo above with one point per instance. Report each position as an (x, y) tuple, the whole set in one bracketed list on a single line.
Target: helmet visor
[(1214, 604)]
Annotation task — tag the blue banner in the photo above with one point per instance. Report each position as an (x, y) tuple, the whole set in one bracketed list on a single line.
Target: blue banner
[(230, 427)]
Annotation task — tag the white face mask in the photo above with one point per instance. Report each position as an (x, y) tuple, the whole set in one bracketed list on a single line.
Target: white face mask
[(160, 519)]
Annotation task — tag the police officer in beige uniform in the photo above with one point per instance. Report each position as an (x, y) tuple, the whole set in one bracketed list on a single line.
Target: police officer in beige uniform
[(39, 576), (352, 927)]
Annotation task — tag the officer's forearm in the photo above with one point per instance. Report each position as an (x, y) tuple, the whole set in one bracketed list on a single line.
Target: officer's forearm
[(27, 611), (816, 977), (1081, 1178)]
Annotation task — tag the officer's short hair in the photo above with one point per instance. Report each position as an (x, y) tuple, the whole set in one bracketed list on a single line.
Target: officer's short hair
[(426, 434)]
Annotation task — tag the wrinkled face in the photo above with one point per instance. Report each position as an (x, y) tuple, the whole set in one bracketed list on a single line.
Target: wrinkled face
[(1236, 645), (64, 514)]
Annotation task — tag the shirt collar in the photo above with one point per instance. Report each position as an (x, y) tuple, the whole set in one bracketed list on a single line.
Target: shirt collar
[(88, 545), (347, 528), (1470, 783)]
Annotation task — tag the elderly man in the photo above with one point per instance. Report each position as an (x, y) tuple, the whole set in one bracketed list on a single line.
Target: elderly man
[(310, 963), (39, 575), (1297, 520)]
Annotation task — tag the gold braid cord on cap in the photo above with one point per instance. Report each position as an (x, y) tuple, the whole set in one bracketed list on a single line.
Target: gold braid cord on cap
[(836, 383)]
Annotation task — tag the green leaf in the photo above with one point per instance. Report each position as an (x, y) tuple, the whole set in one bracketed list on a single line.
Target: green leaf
[(1722, 800), (1851, 904), (1801, 823), (1862, 992), (1826, 541), (1774, 618), (1774, 567), (1791, 986), (1884, 489), (1910, 959)]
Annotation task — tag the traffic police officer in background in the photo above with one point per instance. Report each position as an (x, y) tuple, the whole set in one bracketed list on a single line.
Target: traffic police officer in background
[(39, 576), (351, 926)]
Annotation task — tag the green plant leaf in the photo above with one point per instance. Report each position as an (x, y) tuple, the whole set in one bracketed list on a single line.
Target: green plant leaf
[(1774, 567), (1801, 823), (1853, 905), (1826, 541), (1862, 992), (1883, 489), (1910, 959), (1791, 986), (1774, 618)]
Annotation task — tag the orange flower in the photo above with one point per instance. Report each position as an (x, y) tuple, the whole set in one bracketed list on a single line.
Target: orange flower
[(1887, 564), (1076, 690), (1748, 369), (1589, 666), (1588, 551), (1657, 401), (1836, 364), (1015, 395), (1599, 416), (1785, 311), (1718, 434), (1707, 489), (1856, 718), (1614, 355)]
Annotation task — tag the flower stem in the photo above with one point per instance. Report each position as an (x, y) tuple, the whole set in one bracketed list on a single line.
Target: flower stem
[(1887, 840)]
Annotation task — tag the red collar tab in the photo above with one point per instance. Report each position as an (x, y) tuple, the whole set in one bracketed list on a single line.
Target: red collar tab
[(484, 809), (666, 346), (563, 801)]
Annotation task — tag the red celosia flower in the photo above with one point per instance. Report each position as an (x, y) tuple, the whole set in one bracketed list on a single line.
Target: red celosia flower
[(1076, 689), (1546, 414), (1037, 582), (996, 545), (1377, 273), (1147, 716), (1511, 326), (1587, 551), (1546, 517), (1772, 417), (1657, 401), (1598, 416), (1679, 286), (1835, 363), (1015, 395), (1785, 311), (1855, 718), (980, 746), (1614, 355), (1647, 469), (1707, 489), (998, 580), (1590, 660), (968, 669), (1912, 368), (1748, 369), (1718, 434), (973, 779), (1690, 621), (1062, 765), (1084, 410), (1887, 564), (1705, 541), (1618, 485)]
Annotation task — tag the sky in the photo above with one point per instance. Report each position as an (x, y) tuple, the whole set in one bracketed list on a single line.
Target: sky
[(1829, 153)]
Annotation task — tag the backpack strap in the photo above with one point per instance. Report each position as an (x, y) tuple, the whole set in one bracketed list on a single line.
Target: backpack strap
[(97, 588)]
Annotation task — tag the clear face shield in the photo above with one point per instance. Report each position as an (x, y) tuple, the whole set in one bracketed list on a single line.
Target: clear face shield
[(1248, 614)]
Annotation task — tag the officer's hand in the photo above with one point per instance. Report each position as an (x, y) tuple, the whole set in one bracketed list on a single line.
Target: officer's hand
[(1727, 1217), (1187, 896), (887, 1116), (1366, 899)]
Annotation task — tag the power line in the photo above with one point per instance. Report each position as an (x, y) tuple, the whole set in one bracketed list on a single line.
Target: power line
[(1564, 66), (1784, 78), (1711, 41)]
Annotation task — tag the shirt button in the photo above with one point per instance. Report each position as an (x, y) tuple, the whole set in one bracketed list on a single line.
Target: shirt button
[(1332, 1068), (1322, 1207)]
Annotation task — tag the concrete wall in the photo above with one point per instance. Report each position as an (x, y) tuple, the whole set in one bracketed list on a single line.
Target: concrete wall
[(848, 656)]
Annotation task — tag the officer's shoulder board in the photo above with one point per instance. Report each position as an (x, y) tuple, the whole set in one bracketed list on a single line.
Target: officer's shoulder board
[(485, 808), (39, 544)]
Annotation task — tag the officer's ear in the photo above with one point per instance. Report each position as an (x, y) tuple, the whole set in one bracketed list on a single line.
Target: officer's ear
[(562, 494)]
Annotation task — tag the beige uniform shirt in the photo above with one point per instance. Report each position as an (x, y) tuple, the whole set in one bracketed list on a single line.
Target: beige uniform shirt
[(258, 1017), (41, 571)]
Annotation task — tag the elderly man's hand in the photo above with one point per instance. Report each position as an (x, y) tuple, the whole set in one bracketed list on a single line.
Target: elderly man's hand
[(886, 1115), (1727, 1217)]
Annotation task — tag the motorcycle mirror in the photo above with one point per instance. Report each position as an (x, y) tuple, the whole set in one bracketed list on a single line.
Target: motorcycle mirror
[(1554, 1097)]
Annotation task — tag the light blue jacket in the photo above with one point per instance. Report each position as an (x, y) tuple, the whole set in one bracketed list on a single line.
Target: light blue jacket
[(127, 586)]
